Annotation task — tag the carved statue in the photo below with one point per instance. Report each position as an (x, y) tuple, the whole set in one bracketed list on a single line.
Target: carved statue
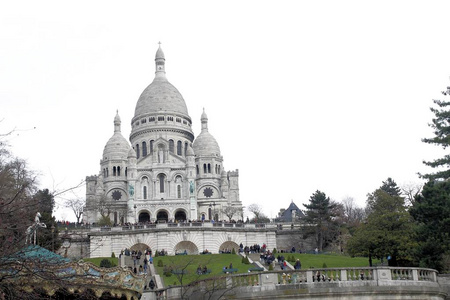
[(191, 188), (31, 230), (160, 156), (131, 189)]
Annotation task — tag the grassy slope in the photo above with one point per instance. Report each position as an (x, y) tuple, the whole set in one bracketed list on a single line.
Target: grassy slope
[(216, 262)]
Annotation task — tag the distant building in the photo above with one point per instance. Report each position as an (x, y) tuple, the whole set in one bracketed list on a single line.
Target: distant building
[(165, 174), (292, 213)]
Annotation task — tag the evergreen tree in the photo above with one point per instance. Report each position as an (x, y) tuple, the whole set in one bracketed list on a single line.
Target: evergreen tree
[(319, 218), (441, 128), (390, 187), (47, 237), (431, 211), (388, 231)]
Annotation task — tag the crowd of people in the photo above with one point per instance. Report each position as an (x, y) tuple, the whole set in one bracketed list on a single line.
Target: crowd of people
[(256, 248), (136, 256)]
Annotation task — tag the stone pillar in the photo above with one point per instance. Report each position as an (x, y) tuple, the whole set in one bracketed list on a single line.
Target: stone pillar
[(343, 275), (384, 274), (309, 276), (415, 275)]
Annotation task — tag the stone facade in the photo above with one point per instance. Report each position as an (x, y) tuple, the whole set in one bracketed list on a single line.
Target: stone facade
[(194, 239), (163, 174)]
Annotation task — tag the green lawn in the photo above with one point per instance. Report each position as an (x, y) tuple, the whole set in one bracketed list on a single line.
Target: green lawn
[(331, 260), (189, 263), (96, 260), (216, 262)]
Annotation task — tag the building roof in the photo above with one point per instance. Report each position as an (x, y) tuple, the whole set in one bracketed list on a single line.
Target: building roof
[(37, 254), (286, 215)]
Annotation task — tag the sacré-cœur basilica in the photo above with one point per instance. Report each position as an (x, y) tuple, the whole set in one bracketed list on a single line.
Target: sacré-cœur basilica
[(166, 174)]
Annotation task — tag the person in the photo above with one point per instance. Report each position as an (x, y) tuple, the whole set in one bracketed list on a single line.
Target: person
[(205, 270), (145, 264), (151, 284), (298, 264), (231, 266), (316, 250), (199, 270)]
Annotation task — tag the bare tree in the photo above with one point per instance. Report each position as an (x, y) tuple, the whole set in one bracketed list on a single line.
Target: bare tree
[(255, 209), (230, 211), (104, 207), (411, 190), (353, 213), (77, 205)]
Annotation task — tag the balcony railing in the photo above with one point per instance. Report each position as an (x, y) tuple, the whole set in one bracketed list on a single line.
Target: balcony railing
[(230, 226), (319, 278)]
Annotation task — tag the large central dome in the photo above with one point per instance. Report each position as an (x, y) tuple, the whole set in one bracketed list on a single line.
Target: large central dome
[(160, 95)]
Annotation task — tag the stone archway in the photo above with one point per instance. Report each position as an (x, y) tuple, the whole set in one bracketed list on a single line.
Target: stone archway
[(187, 246), (180, 215), (228, 246), (162, 216), (144, 217), (139, 246)]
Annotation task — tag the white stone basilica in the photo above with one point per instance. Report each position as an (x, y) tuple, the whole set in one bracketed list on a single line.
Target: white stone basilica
[(165, 174)]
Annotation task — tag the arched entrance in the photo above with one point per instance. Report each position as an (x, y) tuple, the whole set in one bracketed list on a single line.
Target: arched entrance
[(186, 247), (144, 217), (227, 247), (162, 216), (180, 216), (139, 246)]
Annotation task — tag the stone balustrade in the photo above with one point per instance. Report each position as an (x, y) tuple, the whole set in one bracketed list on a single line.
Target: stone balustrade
[(329, 283), (185, 225)]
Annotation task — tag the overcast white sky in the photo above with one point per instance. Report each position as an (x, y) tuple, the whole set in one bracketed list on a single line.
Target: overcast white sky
[(300, 95)]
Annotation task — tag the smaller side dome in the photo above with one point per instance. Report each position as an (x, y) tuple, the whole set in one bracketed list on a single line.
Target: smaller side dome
[(117, 146), (205, 144)]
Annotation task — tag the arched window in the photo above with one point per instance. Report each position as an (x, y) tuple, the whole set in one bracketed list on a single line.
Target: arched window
[(118, 171), (198, 172), (185, 148), (107, 172), (114, 171), (179, 148), (178, 191), (126, 171), (144, 192), (171, 146), (215, 169), (144, 149), (151, 147), (137, 150), (104, 172), (218, 169), (161, 178), (209, 168), (204, 168)]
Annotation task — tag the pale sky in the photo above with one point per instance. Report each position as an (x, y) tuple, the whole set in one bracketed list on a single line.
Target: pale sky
[(300, 95)]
